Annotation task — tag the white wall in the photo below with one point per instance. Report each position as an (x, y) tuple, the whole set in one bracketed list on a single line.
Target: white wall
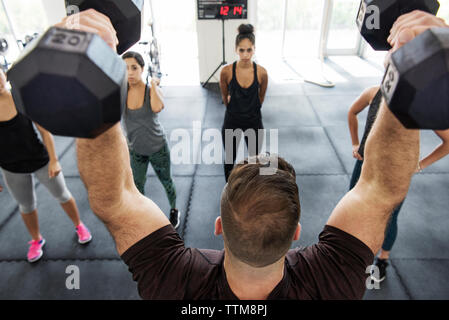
[(210, 42)]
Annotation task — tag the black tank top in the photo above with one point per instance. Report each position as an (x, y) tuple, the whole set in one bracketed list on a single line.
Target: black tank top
[(370, 119), (21, 151), (244, 106)]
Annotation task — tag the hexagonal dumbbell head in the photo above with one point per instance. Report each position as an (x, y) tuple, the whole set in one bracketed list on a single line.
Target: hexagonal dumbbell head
[(71, 83), (416, 83), (125, 16), (376, 18)]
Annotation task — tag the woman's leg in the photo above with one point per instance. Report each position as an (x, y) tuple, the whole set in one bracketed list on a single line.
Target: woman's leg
[(161, 164), (390, 233), (254, 142), (229, 147), (356, 173), (58, 188), (139, 166), (21, 188)]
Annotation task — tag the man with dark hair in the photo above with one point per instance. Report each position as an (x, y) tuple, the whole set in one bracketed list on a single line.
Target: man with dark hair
[(259, 218), (260, 212)]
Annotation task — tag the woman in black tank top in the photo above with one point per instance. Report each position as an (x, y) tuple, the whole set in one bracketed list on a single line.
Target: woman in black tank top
[(24, 157), (243, 86)]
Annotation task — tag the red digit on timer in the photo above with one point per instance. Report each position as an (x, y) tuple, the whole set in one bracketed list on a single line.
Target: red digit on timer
[(238, 10), (224, 10)]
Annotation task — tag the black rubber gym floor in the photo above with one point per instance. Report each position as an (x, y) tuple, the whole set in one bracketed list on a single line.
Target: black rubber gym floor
[(313, 136)]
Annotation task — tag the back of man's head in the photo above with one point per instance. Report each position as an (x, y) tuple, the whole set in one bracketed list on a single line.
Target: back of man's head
[(260, 213)]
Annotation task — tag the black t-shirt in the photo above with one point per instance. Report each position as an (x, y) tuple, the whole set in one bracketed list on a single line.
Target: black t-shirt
[(332, 269), (21, 151)]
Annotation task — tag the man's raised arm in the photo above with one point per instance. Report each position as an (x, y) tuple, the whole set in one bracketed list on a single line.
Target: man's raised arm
[(391, 156), (104, 167)]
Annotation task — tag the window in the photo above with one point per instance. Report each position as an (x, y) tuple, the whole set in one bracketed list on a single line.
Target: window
[(175, 27), (27, 16), (444, 10), (303, 27), (343, 34), (269, 28)]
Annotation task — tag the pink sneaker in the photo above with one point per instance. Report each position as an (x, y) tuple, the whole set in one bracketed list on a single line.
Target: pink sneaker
[(84, 235), (35, 251)]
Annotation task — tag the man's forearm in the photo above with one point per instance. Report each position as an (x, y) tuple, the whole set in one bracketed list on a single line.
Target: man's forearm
[(104, 167), (391, 157)]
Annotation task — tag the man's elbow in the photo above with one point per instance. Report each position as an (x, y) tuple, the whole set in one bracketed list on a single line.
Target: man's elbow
[(388, 192)]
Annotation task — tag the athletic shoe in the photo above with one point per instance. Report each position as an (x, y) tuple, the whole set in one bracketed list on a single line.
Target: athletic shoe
[(84, 235), (175, 215), (35, 251), (382, 265)]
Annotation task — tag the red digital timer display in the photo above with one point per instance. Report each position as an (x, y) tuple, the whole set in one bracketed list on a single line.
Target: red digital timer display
[(231, 11), (218, 9)]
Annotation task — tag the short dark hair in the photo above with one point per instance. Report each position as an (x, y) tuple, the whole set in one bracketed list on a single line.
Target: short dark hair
[(245, 31), (260, 213), (135, 55)]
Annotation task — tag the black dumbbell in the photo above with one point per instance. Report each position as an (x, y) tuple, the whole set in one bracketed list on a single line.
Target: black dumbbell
[(376, 18), (415, 85), (70, 82)]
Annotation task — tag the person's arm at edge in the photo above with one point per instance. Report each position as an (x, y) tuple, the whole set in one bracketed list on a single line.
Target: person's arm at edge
[(440, 152), (224, 85), (157, 97), (54, 167), (358, 106), (263, 85)]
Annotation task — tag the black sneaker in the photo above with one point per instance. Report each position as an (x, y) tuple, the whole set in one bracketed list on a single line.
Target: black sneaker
[(382, 265), (175, 215)]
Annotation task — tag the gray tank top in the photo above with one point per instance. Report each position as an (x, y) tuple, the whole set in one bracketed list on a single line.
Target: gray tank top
[(143, 130)]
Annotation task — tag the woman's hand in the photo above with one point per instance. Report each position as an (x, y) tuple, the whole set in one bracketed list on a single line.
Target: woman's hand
[(355, 152), (54, 168), (155, 82), (94, 22)]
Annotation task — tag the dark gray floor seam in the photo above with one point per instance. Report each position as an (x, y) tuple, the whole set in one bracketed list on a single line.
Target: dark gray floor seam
[(335, 150), (401, 281), (192, 187), (327, 134)]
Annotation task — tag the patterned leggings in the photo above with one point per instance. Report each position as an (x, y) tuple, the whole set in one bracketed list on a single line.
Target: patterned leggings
[(160, 162)]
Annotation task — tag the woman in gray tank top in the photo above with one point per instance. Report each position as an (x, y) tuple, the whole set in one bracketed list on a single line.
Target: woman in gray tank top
[(145, 135)]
